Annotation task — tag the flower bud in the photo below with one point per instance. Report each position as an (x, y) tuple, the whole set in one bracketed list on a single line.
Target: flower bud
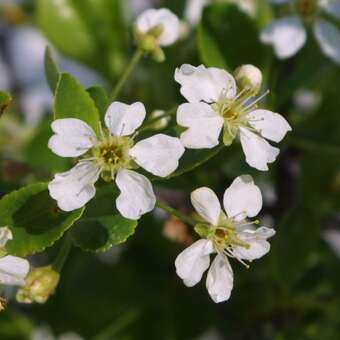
[(3, 303), (40, 284), (159, 122), (249, 77)]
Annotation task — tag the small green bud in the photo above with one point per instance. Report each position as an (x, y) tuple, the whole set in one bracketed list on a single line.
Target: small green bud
[(156, 31), (158, 55), (248, 77), (40, 284)]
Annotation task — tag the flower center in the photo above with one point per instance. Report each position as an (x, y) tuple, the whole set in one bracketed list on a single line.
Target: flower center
[(307, 9), (112, 154)]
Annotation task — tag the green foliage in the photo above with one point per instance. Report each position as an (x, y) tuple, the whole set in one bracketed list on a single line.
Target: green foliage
[(227, 38), (51, 70), (34, 219), (5, 100), (73, 101)]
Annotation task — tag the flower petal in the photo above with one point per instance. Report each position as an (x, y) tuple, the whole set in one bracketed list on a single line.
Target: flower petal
[(193, 11), (13, 270), (206, 204), (72, 138), (123, 119), (269, 124), (203, 123), (331, 7), (5, 235), (257, 240), (287, 35), (220, 279), (257, 150), (204, 84), (328, 37), (193, 261), (74, 188), (151, 18), (158, 154), (136, 194), (242, 199)]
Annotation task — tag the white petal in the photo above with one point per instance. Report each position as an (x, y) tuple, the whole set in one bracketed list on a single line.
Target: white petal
[(74, 188), (220, 279), (287, 35), (5, 235), (193, 10), (158, 154), (136, 194), (73, 137), (13, 270), (123, 119), (151, 18), (203, 123), (257, 150), (331, 7), (243, 198), (257, 240), (193, 261), (270, 125), (328, 37), (204, 84), (206, 204)]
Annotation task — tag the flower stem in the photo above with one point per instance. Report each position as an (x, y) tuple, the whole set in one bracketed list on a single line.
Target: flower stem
[(130, 67), (63, 253), (176, 213)]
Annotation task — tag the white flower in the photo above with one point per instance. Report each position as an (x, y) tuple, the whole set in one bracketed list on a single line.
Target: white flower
[(114, 156), (216, 103), (13, 270), (288, 34), (161, 22), (227, 235)]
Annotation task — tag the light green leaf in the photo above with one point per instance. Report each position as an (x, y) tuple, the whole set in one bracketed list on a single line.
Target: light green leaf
[(73, 101), (34, 219), (5, 101), (64, 27), (51, 70)]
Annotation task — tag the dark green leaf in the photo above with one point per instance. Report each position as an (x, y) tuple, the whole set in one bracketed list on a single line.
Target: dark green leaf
[(5, 100), (73, 101), (100, 97), (34, 219), (227, 37)]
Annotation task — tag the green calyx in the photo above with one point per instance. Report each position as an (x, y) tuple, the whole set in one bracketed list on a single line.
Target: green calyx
[(40, 284)]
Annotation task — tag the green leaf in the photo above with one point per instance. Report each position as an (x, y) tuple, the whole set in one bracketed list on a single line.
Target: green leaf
[(195, 158), (101, 99), (64, 27), (38, 155), (51, 70), (101, 225), (5, 101), (227, 37), (73, 101), (34, 219)]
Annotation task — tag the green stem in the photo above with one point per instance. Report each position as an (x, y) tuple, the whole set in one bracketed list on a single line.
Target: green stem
[(176, 213), (130, 67), (63, 253)]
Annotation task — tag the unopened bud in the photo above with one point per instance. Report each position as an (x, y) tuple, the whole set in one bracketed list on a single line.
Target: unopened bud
[(159, 122), (40, 284), (249, 77)]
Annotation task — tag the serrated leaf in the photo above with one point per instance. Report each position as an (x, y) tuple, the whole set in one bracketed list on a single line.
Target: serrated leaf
[(51, 70), (73, 101), (64, 27), (100, 97), (5, 100), (102, 226), (34, 219), (227, 37)]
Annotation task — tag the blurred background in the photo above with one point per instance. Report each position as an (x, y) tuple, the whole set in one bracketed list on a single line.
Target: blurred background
[(132, 291)]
